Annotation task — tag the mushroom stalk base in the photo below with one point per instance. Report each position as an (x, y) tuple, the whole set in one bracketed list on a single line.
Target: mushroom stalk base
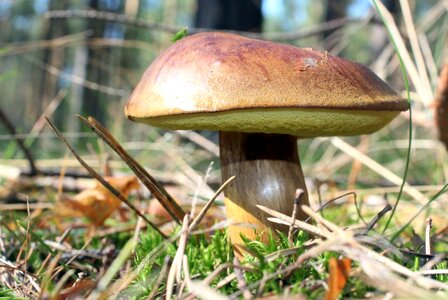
[(268, 173)]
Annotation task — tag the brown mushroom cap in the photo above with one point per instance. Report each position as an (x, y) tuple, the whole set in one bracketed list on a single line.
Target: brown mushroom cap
[(221, 81)]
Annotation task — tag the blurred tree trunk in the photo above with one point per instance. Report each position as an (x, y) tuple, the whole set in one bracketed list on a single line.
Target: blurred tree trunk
[(241, 15), (53, 58), (393, 6), (77, 90), (102, 65), (336, 9), (131, 8), (90, 104)]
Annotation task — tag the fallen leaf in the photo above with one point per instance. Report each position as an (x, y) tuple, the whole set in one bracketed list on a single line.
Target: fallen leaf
[(77, 289), (97, 203), (339, 274)]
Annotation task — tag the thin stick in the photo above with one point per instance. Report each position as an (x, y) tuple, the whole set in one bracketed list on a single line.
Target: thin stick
[(183, 239), (329, 225), (172, 207), (443, 190), (160, 278), (415, 46), (204, 210), (242, 285), (422, 90), (199, 188), (23, 206), (378, 216), (433, 261), (187, 277), (428, 236), (200, 140), (378, 168), (287, 220), (278, 36), (100, 179), (20, 142), (49, 110), (203, 291), (297, 200), (176, 266), (433, 272), (27, 239), (92, 85)]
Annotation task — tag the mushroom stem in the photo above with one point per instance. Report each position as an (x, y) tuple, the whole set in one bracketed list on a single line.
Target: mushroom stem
[(268, 172)]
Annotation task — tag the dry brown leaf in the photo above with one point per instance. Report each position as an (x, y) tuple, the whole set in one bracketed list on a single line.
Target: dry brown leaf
[(339, 274), (96, 204), (76, 290)]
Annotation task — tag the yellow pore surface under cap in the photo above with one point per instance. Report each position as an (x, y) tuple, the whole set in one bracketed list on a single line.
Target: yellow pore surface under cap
[(301, 122)]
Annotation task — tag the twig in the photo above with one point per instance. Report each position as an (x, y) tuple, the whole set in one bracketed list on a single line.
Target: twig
[(297, 200), (428, 236), (443, 190), (423, 91), (432, 261), (283, 219), (176, 267), (206, 207), (329, 225), (62, 282), (287, 271), (200, 140), (61, 239), (20, 142), (49, 110), (162, 274), (76, 79), (101, 291), (433, 272), (106, 184), (210, 277), (28, 284), (172, 29), (242, 285), (323, 206), (375, 265), (23, 206), (183, 239), (378, 168), (199, 188), (175, 211), (415, 46), (148, 260), (203, 291), (416, 254), (23, 47), (378, 216), (187, 278), (28, 235)]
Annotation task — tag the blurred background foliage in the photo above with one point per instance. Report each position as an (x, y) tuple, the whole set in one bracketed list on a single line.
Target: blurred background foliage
[(67, 63)]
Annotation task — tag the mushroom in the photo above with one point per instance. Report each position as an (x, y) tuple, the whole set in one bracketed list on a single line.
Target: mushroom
[(261, 96)]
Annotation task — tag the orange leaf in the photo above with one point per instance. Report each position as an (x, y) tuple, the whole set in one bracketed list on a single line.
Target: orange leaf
[(97, 204), (339, 274)]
